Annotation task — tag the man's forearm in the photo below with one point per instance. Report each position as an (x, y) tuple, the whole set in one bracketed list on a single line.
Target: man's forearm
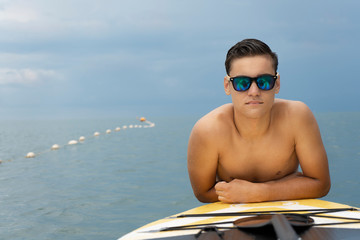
[(295, 187)]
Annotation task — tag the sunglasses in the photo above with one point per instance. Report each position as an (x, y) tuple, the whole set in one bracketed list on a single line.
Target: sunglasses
[(264, 82)]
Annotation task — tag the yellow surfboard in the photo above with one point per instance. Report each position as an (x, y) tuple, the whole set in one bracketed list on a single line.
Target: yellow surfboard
[(330, 221)]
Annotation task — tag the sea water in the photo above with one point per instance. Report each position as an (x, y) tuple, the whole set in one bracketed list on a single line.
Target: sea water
[(109, 185)]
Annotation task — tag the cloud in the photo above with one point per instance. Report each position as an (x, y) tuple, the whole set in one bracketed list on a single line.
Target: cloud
[(25, 76), (84, 18), (17, 13)]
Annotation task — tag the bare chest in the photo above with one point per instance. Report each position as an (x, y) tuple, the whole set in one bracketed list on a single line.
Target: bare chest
[(259, 161)]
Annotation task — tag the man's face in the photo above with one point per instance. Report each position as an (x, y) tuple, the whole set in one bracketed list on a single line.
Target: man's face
[(254, 102)]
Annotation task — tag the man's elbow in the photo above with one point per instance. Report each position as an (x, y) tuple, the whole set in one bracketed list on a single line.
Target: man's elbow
[(325, 188), (205, 197)]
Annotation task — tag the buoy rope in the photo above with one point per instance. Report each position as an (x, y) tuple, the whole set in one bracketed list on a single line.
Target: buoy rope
[(83, 138)]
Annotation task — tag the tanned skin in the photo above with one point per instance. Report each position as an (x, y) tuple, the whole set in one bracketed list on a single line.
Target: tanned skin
[(250, 150)]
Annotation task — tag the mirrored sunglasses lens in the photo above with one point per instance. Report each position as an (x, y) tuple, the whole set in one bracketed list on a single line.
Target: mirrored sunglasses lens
[(241, 83), (265, 82)]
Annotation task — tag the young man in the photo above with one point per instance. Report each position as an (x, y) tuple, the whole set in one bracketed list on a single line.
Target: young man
[(250, 150)]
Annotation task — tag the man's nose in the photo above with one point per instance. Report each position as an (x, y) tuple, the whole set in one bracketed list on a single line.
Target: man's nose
[(253, 90)]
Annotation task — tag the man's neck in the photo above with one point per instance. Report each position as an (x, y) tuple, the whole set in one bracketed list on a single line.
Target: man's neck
[(252, 128)]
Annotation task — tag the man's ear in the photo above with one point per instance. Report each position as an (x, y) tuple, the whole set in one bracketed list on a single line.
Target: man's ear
[(227, 85), (277, 84)]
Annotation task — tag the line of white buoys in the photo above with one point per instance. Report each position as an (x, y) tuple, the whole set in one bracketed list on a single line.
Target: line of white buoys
[(151, 124), (55, 147), (73, 142), (30, 155), (82, 138)]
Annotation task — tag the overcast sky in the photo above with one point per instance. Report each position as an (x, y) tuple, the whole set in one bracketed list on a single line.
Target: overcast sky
[(109, 58)]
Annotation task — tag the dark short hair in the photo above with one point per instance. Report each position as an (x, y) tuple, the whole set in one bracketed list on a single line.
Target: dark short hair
[(247, 48)]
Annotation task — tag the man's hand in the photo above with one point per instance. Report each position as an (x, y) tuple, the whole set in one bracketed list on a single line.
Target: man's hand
[(238, 191)]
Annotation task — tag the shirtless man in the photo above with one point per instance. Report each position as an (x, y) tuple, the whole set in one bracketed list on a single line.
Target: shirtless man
[(250, 150)]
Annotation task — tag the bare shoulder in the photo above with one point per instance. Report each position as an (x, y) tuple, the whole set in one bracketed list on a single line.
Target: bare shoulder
[(293, 109), (296, 113), (215, 122)]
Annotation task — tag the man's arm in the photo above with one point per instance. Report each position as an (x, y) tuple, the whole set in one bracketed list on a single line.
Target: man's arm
[(203, 161), (314, 181)]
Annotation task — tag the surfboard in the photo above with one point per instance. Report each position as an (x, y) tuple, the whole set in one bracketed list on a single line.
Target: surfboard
[(329, 220)]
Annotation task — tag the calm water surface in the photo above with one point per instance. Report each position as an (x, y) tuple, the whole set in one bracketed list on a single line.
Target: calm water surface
[(114, 183)]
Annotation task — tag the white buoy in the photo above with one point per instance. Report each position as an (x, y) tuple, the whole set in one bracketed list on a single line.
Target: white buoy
[(72, 142), (140, 126), (124, 127), (96, 134), (108, 131), (55, 147), (117, 129), (131, 126), (82, 138), (30, 155)]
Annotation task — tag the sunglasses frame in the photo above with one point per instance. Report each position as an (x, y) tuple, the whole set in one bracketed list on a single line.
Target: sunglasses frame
[(254, 79)]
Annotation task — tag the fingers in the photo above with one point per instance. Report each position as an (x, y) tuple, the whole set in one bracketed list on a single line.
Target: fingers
[(224, 199), (220, 186), (220, 191), (221, 199)]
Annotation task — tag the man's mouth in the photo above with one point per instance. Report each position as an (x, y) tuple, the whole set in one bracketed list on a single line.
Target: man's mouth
[(254, 102)]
